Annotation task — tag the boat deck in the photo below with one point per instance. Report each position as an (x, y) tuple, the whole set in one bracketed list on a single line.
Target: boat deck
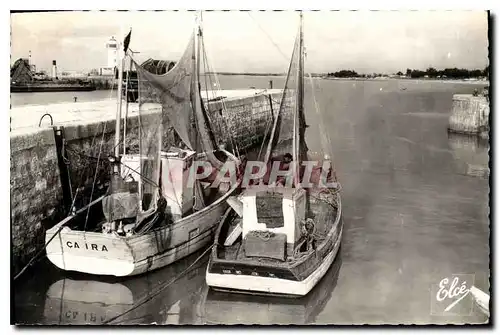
[(323, 214)]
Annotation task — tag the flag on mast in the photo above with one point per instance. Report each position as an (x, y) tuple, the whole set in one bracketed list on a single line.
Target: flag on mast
[(126, 42)]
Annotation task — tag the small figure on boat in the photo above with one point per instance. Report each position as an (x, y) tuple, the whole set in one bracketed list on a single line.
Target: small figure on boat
[(287, 159), (307, 231), (285, 166)]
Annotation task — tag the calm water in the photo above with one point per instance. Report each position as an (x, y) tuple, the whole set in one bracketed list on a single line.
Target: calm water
[(415, 204), (226, 83)]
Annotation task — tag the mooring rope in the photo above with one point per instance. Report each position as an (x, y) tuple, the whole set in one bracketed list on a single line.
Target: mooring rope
[(47, 243), (161, 288)]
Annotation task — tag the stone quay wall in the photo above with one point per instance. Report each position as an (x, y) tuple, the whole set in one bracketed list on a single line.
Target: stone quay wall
[(36, 189)]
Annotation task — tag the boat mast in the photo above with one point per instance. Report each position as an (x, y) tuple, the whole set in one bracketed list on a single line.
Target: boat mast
[(194, 83), (120, 61), (126, 106), (298, 113), (203, 127), (199, 202), (300, 98), (301, 71)]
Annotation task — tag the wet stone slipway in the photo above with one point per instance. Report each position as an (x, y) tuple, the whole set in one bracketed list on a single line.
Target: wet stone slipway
[(415, 202)]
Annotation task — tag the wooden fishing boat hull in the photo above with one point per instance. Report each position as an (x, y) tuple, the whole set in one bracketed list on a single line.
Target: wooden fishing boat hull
[(109, 254), (254, 277), (267, 285), (230, 309)]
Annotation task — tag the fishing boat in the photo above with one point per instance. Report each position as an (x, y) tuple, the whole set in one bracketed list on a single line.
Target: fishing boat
[(156, 210), (280, 236), (220, 308)]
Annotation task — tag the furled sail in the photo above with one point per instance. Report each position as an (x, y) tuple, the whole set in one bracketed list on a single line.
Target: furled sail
[(177, 95), (173, 92), (288, 132)]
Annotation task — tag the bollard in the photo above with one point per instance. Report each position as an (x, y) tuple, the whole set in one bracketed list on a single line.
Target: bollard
[(63, 168)]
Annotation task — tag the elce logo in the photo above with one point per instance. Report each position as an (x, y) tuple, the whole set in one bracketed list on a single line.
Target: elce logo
[(452, 295)]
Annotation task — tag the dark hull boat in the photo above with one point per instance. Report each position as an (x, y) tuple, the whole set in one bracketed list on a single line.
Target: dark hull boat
[(281, 235), (282, 270), (233, 309)]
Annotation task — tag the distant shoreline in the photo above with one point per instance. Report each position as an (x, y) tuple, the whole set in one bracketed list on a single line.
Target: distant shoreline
[(454, 81), (435, 80), (249, 74)]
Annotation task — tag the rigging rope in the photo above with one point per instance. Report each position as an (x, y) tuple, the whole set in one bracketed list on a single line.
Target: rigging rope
[(85, 169), (43, 249), (66, 161), (325, 140), (214, 95), (224, 107), (269, 37), (146, 179), (95, 177)]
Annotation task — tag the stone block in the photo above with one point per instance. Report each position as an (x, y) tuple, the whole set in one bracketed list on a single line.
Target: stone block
[(42, 137), (41, 185), (470, 115)]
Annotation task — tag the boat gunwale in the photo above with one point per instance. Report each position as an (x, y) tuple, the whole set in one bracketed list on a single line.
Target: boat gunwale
[(323, 247), (175, 223)]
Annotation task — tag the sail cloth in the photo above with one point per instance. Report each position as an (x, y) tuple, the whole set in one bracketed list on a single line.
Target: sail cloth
[(172, 91), (289, 123), (164, 101), (172, 100)]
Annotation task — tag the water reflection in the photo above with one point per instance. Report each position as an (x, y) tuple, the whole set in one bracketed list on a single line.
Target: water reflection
[(81, 299), (228, 308), (470, 154)]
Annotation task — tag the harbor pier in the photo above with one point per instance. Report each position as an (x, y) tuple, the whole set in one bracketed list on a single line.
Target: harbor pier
[(470, 115)]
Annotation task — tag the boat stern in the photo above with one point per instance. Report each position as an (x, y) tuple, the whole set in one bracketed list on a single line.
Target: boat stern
[(88, 252)]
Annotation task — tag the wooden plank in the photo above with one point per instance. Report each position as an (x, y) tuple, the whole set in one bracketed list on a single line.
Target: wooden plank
[(236, 204), (233, 236)]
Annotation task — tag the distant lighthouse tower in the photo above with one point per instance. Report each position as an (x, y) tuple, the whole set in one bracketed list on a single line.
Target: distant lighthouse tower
[(112, 47)]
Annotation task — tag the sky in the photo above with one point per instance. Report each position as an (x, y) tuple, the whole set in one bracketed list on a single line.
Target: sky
[(236, 41)]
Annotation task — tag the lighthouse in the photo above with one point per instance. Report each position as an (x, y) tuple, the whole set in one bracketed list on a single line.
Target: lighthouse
[(112, 47), (54, 69)]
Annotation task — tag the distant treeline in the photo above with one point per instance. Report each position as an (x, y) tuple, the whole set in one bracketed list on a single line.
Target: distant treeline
[(345, 74), (246, 74), (447, 73), (453, 73)]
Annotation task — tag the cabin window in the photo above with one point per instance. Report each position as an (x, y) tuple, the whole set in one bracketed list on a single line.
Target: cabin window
[(270, 210)]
